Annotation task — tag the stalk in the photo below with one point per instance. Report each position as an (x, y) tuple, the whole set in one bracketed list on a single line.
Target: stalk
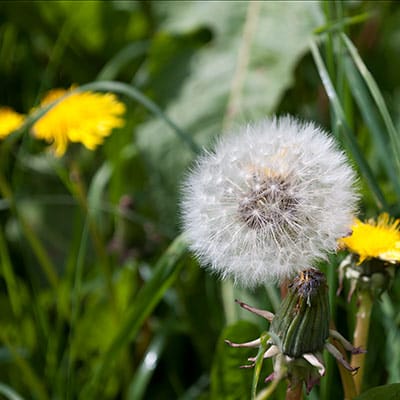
[(77, 189), (360, 337), (347, 379), (39, 250), (294, 391)]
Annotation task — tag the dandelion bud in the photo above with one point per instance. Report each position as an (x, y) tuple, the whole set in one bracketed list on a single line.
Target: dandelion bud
[(301, 324), (268, 201), (299, 333)]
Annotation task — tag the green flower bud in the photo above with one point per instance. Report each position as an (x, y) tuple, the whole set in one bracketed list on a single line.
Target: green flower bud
[(301, 324)]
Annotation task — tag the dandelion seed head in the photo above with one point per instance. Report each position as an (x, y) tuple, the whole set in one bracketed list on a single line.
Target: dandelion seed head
[(268, 201)]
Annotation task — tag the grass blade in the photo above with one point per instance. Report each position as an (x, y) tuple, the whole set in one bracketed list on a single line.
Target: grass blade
[(342, 124), (97, 188), (377, 96), (135, 94), (7, 270), (164, 275), (9, 393), (32, 380), (137, 387), (338, 25), (122, 58), (368, 113)]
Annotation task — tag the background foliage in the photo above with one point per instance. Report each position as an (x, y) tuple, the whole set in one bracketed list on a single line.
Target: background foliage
[(131, 315)]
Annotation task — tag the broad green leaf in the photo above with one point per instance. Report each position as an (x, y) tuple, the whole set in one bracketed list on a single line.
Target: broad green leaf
[(228, 381), (386, 392), (239, 76)]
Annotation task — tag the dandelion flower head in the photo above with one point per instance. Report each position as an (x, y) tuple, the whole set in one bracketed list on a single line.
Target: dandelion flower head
[(378, 238), (84, 117), (10, 121), (268, 201)]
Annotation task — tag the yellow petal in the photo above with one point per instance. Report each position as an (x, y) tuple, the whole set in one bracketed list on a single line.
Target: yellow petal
[(83, 117), (10, 121)]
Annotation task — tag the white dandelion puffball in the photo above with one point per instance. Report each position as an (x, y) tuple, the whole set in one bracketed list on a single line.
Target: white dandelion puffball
[(268, 201)]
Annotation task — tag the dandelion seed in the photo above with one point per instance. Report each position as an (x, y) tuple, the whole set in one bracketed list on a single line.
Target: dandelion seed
[(268, 201), (10, 121), (84, 117)]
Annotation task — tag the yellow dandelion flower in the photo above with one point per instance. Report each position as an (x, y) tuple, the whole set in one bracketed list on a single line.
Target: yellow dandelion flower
[(84, 117), (375, 239), (9, 121)]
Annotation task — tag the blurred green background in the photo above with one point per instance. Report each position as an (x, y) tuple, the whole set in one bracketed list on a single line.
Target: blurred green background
[(158, 332)]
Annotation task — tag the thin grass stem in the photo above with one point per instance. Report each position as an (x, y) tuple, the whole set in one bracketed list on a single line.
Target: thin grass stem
[(135, 94), (9, 277), (39, 250), (79, 192), (32, 380)]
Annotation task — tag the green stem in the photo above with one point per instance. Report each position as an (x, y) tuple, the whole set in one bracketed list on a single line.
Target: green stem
[(346, 377), (76, 186), (228, 297), (31, 379), (40, 252), (268, 391), (360, 337), (294, 391), (9, 277), (258, 364)]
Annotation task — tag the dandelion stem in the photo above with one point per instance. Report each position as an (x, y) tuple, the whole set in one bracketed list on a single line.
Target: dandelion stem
[(360, 337), (268, 391), (346, 377), (227, 292), (294, 391)]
